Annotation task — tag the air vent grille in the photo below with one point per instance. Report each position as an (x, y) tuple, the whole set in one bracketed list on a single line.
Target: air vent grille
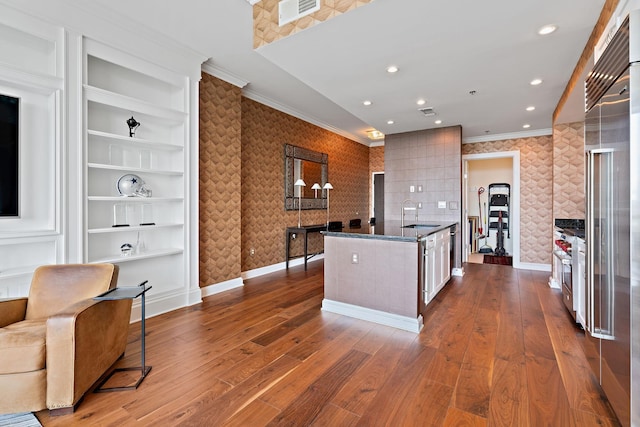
[(290, 10), (613, 62), (427, 111)]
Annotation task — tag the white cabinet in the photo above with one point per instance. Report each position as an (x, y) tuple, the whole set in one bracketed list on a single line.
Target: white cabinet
[(430, 270), (437, 263), (117, 86)]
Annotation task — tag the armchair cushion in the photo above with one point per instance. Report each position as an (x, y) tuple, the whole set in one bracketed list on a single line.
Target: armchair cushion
[(22, 347)]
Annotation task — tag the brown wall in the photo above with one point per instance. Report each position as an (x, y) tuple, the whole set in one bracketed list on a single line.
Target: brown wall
[(568, 170), (220, 120), (264, 219), (536, 182)]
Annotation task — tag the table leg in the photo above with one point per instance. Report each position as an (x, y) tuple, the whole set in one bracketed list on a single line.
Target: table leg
[(142, 338), (286, 245), (305, 250)]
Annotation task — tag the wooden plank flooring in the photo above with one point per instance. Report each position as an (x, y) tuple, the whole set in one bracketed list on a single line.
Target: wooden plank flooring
[(498, 348)]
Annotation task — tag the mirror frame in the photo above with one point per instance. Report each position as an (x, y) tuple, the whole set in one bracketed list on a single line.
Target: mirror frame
[(291, 153)]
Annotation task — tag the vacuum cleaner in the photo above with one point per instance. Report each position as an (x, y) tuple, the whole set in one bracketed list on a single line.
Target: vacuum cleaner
[(486, 249)]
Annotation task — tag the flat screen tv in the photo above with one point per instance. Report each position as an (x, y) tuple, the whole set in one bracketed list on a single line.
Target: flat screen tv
[(9, 126)]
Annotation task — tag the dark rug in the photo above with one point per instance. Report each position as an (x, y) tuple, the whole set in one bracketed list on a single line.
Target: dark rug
[(495, 259)]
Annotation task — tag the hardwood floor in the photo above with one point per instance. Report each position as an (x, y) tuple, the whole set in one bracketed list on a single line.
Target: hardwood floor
[(498, 348)]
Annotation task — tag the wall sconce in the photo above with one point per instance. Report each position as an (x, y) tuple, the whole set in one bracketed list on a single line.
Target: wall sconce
[(299, 183), (328, 187), (315, 187)]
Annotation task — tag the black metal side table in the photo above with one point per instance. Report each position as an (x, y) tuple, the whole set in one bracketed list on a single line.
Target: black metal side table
[(127, 293), (304, 230)]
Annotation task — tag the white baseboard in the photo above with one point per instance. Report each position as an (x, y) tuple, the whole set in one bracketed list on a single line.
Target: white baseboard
[(216, 288), (249, 274), (533, 266), (376, 316), (160, 304)]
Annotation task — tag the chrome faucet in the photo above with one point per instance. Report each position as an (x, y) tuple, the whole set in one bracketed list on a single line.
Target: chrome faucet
[(413, 207)]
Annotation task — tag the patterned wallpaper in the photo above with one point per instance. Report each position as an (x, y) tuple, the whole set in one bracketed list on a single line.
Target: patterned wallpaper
[(264, 219), (568, 171), (536, 186), (220, 117), (265, 19)]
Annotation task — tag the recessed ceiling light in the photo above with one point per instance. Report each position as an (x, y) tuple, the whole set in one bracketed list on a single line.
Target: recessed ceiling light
[(375, 134), (367, 102), (392, 69), (438, 122), (390, 122), (535, 82), (527, 126), (531, 108), (421, 101), (547, 29)]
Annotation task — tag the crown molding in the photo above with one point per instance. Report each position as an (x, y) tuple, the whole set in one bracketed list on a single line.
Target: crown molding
[(295, 113), (510, 135), (95, 21), (223, 74)]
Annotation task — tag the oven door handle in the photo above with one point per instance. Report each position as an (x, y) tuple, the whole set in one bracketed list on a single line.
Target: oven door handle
[(563, 259)]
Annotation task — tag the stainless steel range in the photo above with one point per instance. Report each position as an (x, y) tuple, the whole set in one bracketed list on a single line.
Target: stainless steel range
[(568, 272)]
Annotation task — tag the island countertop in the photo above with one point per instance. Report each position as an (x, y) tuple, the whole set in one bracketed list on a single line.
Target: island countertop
[(392, 230)]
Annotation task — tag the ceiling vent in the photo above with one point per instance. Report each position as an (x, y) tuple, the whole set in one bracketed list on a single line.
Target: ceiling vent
[(290, 10), (427, 111)]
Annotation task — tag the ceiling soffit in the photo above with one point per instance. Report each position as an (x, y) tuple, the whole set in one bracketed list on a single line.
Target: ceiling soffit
[(265, 19)]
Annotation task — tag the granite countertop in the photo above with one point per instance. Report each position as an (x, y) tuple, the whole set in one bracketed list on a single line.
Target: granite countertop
[(391, 230)]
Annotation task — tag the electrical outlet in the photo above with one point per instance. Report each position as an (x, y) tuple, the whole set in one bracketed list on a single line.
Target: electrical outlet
[(419, 205), (252, 251), (354, 258), (412, 189), (442, 205)]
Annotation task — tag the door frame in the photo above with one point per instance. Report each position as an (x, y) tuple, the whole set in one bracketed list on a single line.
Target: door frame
[(515, 199), (373, 194)]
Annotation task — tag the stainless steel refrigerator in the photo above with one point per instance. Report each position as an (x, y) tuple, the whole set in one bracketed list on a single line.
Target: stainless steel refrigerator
[(612, 156)]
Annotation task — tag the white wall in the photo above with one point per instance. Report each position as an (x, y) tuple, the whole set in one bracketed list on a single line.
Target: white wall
[(42, 61), (30, 57)]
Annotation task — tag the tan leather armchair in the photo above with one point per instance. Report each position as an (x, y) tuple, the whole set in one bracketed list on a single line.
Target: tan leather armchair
[(55, 344)]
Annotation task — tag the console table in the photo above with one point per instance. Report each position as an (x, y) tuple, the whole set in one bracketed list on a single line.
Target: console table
[(131, 292), (303, 230)]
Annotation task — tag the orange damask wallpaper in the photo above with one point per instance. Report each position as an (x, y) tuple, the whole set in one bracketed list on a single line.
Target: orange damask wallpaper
[(536, 188), (265, 131), (242, 181), (220, 117)]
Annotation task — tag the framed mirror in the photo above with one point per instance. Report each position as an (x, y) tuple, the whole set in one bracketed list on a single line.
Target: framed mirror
[(310, 166)]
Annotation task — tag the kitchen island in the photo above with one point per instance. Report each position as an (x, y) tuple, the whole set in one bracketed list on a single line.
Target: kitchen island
[(386, 273)]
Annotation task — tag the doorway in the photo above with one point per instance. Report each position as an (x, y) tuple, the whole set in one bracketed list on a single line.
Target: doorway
[(377, 207), (480, 170)]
